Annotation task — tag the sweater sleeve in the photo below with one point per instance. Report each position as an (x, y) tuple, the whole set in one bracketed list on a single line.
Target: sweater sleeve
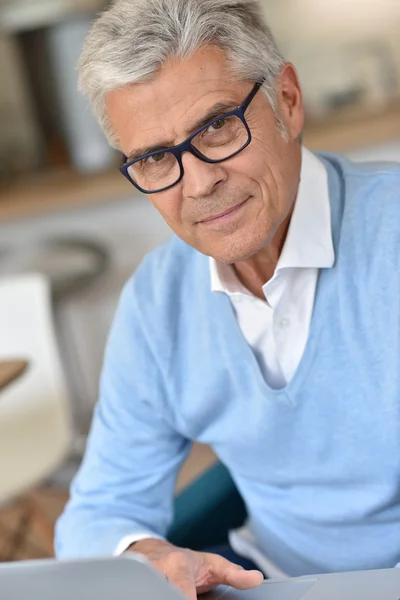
[(125, 485)]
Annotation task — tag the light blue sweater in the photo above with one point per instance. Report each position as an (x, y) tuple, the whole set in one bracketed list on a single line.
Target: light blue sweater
[(318, 462)]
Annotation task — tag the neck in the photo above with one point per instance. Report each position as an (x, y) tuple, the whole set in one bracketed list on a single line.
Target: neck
[(255, 271)]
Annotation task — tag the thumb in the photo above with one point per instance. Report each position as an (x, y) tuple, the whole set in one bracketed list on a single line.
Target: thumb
[(227, 573), (242, 579)]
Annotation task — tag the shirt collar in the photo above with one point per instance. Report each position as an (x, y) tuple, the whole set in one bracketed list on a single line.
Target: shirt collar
[(309, 239), (308, 242), (224, 279)]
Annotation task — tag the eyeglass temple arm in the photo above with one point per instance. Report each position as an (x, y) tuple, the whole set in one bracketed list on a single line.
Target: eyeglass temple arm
[(253, 92)]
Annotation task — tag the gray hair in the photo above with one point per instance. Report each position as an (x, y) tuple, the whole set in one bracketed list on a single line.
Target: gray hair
[(132, 39)]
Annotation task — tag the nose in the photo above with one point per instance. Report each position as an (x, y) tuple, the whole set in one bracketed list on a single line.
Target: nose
[(200, 178)]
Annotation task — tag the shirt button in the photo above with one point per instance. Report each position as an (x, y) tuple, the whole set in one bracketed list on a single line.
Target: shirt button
[(284, 323)]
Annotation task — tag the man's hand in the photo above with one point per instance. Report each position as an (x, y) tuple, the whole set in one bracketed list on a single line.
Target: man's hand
[(195, 572)]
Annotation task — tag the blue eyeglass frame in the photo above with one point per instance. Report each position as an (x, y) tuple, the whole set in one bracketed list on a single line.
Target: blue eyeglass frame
[(187, 146)]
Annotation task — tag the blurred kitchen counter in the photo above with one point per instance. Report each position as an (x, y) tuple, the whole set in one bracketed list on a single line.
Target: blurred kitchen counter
[(354, 128), (59, 190), (65, 189)]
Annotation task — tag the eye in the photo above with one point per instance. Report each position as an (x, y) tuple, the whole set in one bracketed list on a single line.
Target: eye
[(219, 124), (158, 157)]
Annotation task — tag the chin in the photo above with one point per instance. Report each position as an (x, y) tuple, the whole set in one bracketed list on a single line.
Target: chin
[(239, 251)]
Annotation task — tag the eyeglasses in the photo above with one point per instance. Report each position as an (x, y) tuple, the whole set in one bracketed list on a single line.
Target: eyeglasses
[(219, 140)]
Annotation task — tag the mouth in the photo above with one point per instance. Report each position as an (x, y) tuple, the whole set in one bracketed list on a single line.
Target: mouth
[(224, 216)]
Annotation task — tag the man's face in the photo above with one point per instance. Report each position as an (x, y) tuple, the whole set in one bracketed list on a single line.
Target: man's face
[(229, 210)]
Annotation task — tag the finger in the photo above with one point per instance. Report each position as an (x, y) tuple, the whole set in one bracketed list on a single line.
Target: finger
[(227, 573)]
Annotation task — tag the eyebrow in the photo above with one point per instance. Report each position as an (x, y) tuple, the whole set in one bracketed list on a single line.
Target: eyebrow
[(216, 111)]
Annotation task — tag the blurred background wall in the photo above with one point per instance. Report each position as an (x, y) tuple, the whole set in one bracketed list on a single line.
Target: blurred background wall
[(347, 54), (66, 212)]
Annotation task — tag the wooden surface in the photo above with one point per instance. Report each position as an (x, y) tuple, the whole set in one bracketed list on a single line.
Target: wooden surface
[(10, 371), (50, 503), (65, 189)]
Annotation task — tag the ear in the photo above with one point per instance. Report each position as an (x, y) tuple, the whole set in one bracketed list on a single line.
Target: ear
[(290, 101)]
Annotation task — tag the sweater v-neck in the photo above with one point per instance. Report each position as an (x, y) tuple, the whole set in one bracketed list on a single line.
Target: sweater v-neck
[(231, 336)]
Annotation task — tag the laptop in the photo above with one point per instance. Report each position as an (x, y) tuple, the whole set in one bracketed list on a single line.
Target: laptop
[(363, 585), (132, 577)]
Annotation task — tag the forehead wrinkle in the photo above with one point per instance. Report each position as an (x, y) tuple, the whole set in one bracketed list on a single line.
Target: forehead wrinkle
[(225, 98)]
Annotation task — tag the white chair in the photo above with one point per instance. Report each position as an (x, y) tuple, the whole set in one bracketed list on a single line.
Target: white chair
[(35, 427)]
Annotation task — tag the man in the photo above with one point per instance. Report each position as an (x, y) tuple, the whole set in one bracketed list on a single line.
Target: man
[(267, 328)]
